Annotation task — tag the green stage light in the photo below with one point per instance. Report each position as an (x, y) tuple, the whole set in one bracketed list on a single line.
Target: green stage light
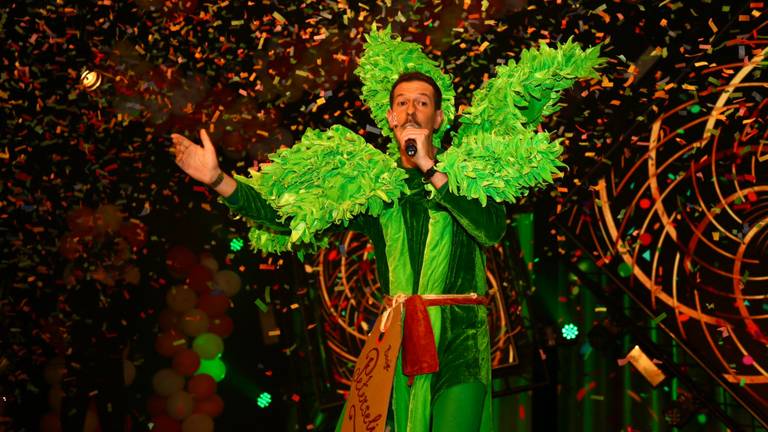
[(570, 331), (236, 244), (264, 400)]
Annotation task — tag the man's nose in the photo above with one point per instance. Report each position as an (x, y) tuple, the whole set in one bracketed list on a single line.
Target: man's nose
[(410, 107)]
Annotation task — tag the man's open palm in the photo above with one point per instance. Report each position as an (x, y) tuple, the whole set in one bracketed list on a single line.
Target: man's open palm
[(199, 162)]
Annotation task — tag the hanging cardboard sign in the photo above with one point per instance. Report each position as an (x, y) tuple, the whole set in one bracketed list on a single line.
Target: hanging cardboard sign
[(368, 401)]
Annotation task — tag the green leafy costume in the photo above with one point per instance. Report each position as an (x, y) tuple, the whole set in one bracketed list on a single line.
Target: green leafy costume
[(426, 240)]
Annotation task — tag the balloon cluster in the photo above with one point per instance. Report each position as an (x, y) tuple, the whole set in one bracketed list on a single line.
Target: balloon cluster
[(106, 241), (192, 327), (100, 245)]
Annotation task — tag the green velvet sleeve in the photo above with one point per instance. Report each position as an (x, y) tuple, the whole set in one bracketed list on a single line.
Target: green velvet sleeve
[(486, 224), (247, 202)]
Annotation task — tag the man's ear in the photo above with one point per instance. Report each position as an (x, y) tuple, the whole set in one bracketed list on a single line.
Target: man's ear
[(389, 117), (438, 119)]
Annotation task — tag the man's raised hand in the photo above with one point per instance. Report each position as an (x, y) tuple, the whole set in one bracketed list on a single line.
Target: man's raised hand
[(198, 162)]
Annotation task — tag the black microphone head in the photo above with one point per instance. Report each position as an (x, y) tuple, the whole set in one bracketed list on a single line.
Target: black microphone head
[(410, 147)]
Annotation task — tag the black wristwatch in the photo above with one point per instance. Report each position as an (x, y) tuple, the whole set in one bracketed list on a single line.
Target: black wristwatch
[(430, 172)]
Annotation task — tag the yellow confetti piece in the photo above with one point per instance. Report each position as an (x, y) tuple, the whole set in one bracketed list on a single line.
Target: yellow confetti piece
[(279, 17), (712, 25)]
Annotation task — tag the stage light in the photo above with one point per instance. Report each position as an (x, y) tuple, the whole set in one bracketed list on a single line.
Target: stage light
[(570, 331), (236, 244), (264, 400), (90, 80)]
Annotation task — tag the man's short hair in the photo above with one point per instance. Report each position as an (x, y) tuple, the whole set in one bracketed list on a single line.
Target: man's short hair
[(417, 76)]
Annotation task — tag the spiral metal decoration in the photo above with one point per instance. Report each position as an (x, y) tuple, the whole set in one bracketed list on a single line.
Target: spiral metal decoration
[(682, 216)]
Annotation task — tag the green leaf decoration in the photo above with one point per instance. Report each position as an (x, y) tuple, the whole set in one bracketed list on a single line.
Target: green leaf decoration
[(502, 167), (385, 58), (522, 93), (496, 151), (327, 178), (267, 241)]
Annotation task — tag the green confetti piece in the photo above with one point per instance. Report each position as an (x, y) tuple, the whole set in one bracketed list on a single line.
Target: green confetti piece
[(261, 305), (659, 318)]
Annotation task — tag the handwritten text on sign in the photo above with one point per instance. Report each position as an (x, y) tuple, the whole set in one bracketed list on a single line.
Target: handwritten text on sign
[(368, 400)]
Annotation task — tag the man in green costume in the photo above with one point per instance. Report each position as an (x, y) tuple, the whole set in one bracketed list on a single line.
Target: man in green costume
[(461, 385), (428, 223)]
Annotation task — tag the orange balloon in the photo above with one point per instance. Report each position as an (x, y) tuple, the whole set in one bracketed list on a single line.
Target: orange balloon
[(167, 382), (181, 298), (194, 322), (197, 423), (180, 405), (209, 261), (228, 282)]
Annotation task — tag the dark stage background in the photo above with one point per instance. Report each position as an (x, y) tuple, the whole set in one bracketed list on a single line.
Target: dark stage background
[(654, 237)]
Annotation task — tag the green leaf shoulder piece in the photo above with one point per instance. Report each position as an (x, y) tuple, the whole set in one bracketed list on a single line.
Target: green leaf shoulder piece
[(521, 93), (496, 152), (327, 178)]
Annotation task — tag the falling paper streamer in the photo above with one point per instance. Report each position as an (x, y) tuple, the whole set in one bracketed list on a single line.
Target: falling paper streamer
[(644, 365)]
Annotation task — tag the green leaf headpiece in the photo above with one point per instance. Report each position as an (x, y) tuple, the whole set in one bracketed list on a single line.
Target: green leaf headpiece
[(384, 60)]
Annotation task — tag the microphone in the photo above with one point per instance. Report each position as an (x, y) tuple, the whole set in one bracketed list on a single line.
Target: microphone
[(410, 143), (410, 147)]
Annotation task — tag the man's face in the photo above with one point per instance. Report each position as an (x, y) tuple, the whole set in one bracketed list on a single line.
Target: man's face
[(413, 104)]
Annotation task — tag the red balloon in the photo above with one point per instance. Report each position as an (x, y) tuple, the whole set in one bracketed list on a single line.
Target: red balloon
[(201, 386), (213, 305), (199, 277), (164, 423), (180, 261), (168, 320), (221, 326), (82, 220), (134, 232), (156, 405), (186, 362), (168, 343), (212, 406)]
